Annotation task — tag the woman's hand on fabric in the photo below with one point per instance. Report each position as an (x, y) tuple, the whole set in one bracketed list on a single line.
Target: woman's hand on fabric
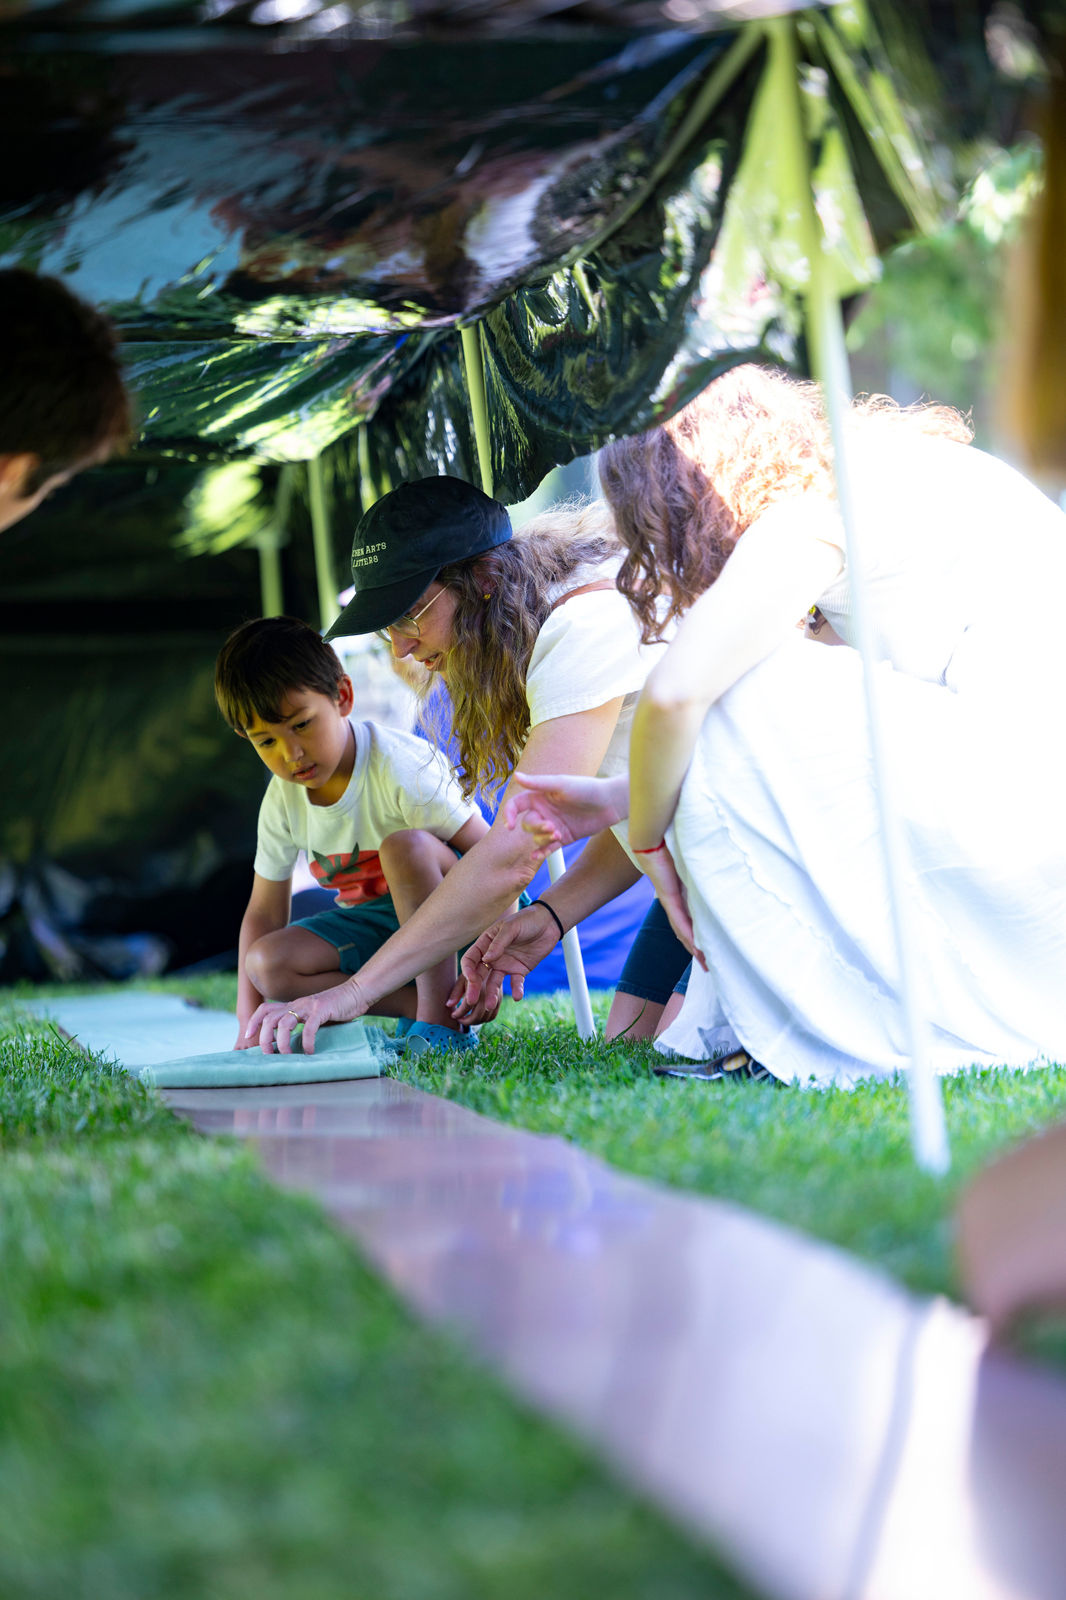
[(559, 810), (511, 948), (274, 1021), (670, 892)]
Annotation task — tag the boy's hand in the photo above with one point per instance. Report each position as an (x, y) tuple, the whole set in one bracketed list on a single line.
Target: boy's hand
[(275, 1020)]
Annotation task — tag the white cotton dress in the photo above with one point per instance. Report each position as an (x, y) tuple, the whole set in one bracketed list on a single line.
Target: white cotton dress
[(776, 834)]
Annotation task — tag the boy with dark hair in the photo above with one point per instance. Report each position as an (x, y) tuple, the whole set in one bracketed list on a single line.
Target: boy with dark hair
[(63, 405), (378, 813)]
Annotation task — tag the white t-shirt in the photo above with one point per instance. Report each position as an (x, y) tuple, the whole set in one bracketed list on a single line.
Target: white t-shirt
[(589, 652), (398, 781)]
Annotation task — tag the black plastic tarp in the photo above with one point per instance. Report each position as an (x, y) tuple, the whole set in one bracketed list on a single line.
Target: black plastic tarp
[(288, 224)]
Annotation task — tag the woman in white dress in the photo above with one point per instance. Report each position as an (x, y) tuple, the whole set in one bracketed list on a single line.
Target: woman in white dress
[(750, 779)]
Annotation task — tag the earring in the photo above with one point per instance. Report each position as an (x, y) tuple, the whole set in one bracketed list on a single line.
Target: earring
[(486, 596)]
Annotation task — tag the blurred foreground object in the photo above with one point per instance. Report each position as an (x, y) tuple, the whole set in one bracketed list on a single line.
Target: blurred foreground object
[(1035, 392), (63, 405), (1012, 1231)]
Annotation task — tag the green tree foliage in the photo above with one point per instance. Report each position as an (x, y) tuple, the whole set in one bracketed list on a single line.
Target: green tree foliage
[(932, 326)]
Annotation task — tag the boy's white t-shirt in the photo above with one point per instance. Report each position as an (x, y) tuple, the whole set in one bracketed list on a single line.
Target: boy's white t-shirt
[(587, 653), (398, 781)]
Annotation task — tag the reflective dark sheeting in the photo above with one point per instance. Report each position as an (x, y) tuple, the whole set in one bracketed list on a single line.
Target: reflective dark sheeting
[(280, 213)]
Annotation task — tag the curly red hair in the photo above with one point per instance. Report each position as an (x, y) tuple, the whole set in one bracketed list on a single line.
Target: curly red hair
[(683, 494)]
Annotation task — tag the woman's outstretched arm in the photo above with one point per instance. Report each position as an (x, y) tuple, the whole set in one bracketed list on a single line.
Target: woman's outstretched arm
[(770, 581), (515, 945)]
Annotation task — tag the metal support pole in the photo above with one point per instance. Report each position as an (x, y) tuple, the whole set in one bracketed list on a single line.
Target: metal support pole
[(328, 609), (367, 492), (270, 587), (479, 408), (479, 405), (829, 359), (575, 966), (269, 542)]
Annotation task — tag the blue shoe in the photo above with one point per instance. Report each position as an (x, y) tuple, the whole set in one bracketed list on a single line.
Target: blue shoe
[(403, 1027), (423, 1036)]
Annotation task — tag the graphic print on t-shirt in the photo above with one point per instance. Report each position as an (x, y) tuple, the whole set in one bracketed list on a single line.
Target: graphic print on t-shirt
[(355, 874)]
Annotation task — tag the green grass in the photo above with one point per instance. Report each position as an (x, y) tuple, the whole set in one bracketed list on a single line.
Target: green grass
[(835, 1163), (204, 1393)]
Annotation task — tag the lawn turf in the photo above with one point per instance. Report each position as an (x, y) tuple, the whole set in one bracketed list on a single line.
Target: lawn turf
[(204, 1394), (835, 1163)]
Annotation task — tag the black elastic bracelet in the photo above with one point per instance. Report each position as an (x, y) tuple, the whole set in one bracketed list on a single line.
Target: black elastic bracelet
[(553, 914)]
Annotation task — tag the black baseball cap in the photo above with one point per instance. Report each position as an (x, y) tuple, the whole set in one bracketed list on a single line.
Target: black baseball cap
[(405, 538)]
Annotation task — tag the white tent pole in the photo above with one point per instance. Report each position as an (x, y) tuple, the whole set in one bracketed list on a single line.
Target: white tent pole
[(328, 609), (479, 408), (829, 359), (575, 965)]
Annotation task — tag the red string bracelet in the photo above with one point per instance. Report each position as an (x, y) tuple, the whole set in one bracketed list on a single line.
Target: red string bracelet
[(650, 851)]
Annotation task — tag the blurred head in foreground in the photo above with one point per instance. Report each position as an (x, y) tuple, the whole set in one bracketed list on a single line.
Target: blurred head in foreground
[(63, 405), (1032, 394)]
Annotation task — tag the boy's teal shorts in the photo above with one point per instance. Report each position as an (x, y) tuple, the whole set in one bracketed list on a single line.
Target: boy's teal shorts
[(355, 932)]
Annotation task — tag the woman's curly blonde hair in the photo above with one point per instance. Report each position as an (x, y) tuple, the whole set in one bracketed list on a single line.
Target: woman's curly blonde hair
[(683, 494), (492, 638)]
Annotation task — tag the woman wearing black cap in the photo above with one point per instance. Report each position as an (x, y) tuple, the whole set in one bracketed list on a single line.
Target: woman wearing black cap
[(543, 664)]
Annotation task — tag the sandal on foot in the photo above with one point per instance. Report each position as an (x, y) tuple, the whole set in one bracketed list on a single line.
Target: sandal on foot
[(423, 1036), (736, 1068)]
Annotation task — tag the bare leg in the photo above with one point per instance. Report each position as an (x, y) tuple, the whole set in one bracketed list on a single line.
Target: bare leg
[(294, 962), (671, 1012), (414, 863), (633, 1017)]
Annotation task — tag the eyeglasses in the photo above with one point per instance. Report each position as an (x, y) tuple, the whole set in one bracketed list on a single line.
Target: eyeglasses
[(407, 625)]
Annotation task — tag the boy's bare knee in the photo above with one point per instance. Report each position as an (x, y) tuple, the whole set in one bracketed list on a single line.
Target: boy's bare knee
[(409, 847), (259, 965), (284, 964), (269, 964)]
